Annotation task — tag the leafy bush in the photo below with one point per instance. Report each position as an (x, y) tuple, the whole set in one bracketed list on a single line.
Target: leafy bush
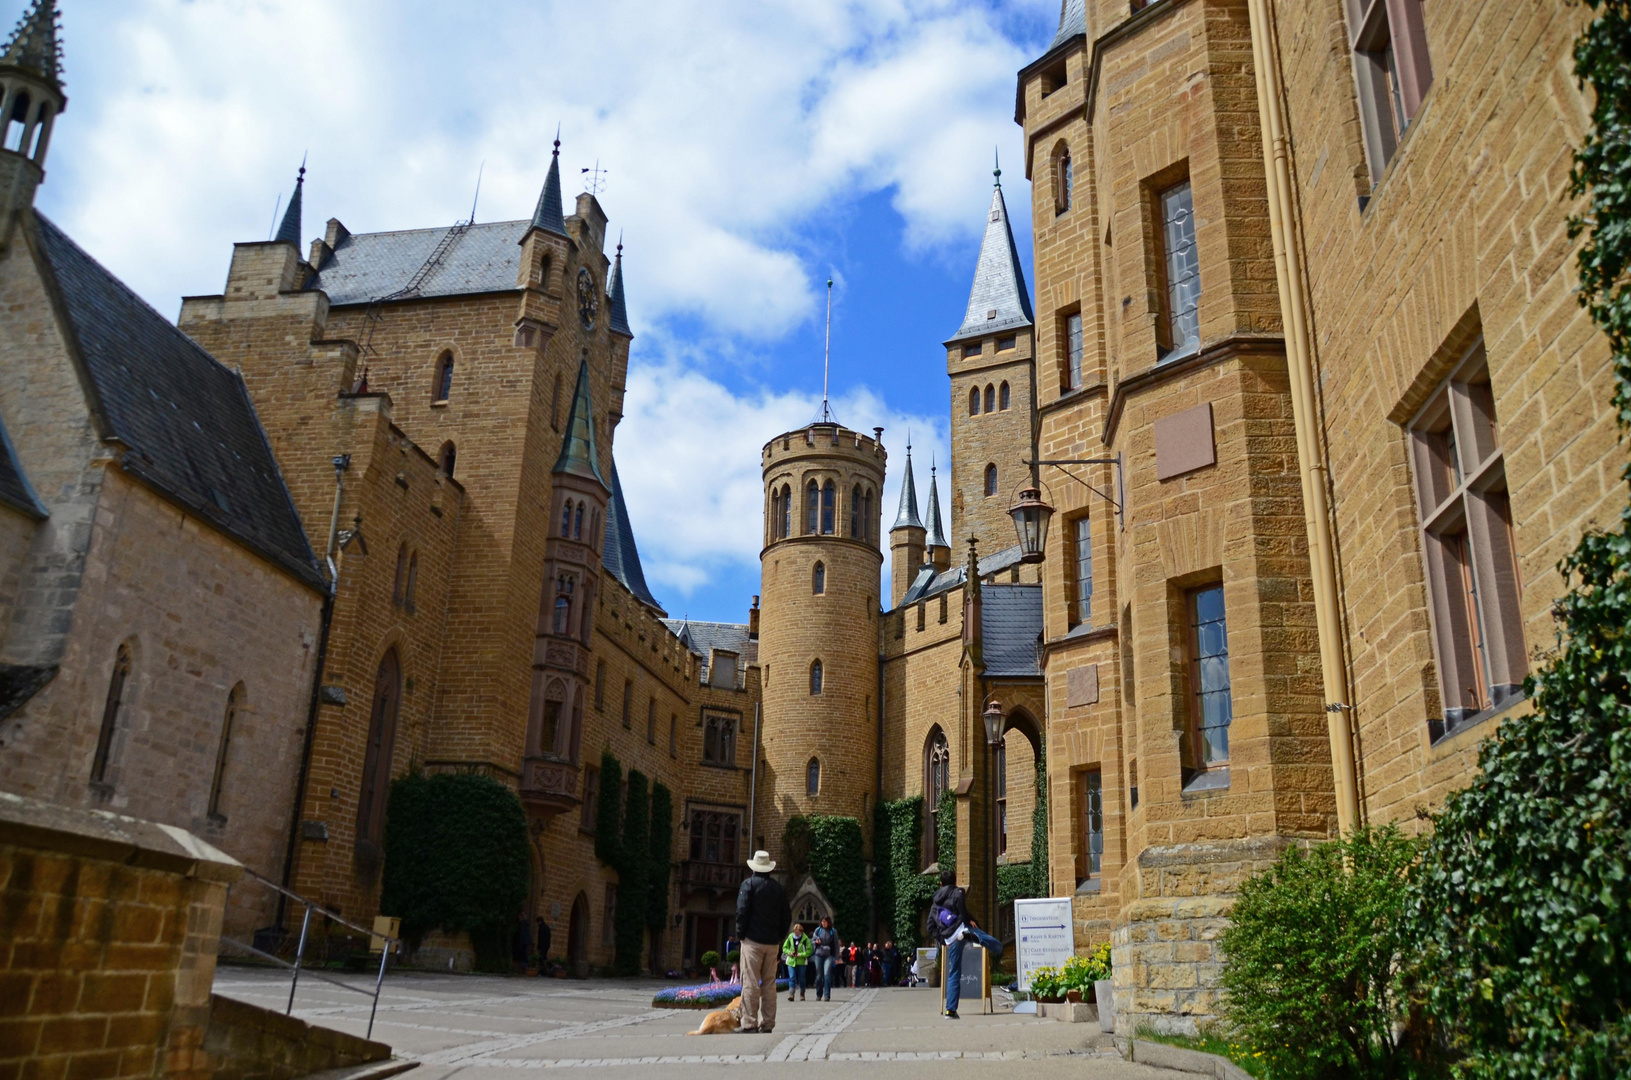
[(1311, 957), (945, 832), (831, 849), (662, 849), (632, 876), (796, 842), (1014, 882), (1522, 909), (709, 959), (609, 811), (456, 858), (1040, 885), (910, 889)]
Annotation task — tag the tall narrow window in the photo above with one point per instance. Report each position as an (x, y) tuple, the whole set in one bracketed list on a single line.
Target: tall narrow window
[(234, 700), (600, 685), (974, 401), (1002, 798), (990, 398), (651, 723), (377, 752), (1073, 351), (787, 511), (869, 516), (936, 782), (444, 378), (818, 579), (1003, 397), (1183, 270), (401, 579), (1082, 587), (990, 479), (1467, 539), (448, 458), (856, 518), (812, 508), (563, 605), (566, 520), (628, 702), (1392, 69), (411, 585), (549, 732), (815, 677), (829, 496), (812, 778), (577, 523), (111, 710), (1212, 709), (673, 735), (1067, 182), (719, 740), (1092, 823)]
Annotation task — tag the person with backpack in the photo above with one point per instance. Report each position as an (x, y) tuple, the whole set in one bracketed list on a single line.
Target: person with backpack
[(824, 943), (955, 927), (796, 951)]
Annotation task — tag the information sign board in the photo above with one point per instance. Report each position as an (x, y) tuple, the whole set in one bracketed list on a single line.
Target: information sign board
[(1042, 935)]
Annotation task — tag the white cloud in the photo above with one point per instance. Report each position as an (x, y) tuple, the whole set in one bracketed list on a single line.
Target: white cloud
[(688, 455)]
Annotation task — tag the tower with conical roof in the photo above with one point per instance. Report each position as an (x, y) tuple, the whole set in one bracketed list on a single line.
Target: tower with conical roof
[(991, 362), (906, 537), (31, 97), (545, 246), (935, 547)]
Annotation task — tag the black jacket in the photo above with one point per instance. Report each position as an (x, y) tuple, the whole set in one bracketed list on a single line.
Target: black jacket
[(955, 900), (762, 912)]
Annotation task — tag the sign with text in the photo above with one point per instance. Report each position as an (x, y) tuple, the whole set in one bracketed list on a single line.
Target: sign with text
[(1043, 935)]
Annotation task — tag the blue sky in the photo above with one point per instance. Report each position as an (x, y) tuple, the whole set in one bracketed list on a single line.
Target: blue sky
[(752, 149)]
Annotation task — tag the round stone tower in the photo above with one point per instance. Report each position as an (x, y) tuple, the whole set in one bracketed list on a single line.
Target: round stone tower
[(818, 627)]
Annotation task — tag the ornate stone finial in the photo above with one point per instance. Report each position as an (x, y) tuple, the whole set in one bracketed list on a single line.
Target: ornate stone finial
[(973, 571)]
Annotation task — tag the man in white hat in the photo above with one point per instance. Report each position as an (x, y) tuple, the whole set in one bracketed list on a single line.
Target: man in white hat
[(762, 918)]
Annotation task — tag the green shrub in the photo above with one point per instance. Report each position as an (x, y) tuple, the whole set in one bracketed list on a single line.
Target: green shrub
[(609, 811), (1015, 882), (709, 959), (1040, 885), (945, 832), (832, 850), (662, 848), (1311, 956), (632, 877), (456, 858), (910, 889)]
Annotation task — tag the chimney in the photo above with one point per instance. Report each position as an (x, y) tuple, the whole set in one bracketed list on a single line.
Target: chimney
[(753, 620)]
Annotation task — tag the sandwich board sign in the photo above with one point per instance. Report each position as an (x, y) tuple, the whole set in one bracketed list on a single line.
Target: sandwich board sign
[(1042, 935)]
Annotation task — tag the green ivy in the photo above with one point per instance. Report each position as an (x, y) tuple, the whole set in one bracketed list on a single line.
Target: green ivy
[(633, 905), (1521, 910), (456, 858), (1015, 882), (609, 811), (1040, 884), (901, 841), (945, 832), (834, 853), (796, 843), (662, 848), (883, 871)]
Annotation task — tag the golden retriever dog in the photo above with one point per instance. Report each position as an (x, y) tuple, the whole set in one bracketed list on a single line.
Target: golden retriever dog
[(721, 1021)]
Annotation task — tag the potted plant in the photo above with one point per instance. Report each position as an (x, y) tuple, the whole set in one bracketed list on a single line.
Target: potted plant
[(1047, 985), (710, 960)]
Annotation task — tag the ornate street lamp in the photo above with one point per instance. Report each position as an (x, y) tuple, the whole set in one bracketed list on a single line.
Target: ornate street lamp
[(993, 724), (1031, 516)]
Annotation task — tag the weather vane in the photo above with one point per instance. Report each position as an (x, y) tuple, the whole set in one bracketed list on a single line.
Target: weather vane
[(594, 180)]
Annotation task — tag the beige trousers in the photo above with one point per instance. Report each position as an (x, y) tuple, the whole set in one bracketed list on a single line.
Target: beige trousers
[(759, 985)]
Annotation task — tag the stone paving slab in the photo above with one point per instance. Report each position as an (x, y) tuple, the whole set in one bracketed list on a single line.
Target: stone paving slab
[(478, 1026)]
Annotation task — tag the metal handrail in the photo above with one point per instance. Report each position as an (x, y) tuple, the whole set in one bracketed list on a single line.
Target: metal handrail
[(305, 925)]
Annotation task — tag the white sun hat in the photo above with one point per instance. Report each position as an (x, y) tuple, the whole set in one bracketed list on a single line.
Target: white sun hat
[(761, 862)]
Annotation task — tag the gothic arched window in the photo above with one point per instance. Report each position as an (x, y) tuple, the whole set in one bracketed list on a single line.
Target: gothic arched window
[(818, 579), (990, 398), (829, 497), (566, 520), (381, 745), (815, 677), (444, 378), (936, 782), (812, 507), (1066, 179), (857, 529), (974, 401), (577, 523), (549, 731), (812, 778), (787, 511), (990, 479), (401, 579), (411, 583), (448, 458), (1003, 397)]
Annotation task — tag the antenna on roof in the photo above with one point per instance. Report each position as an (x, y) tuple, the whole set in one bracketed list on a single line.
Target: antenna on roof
[(594, 180), (473, 201), (826, 361)]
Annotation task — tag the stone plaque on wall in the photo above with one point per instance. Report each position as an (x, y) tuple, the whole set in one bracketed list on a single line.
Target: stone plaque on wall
[(1183, 442), (1082, 686)]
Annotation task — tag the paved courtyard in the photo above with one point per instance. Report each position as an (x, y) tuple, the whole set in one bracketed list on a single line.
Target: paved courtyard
[(469, 1024)]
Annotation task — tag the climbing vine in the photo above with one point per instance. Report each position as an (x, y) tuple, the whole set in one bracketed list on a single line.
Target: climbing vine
[(632, 876), (901, 844), (1040, 885), (836, 858), (662, 848), (609, 811), (945, 832)]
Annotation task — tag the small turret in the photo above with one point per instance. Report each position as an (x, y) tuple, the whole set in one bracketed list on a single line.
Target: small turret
[(289, 231), (31, 97), (618, 319), (906, 537), (544, 249), (936, 549)]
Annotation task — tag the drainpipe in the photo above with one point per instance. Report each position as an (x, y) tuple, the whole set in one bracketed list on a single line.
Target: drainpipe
[(341, 463), (1294, 314)]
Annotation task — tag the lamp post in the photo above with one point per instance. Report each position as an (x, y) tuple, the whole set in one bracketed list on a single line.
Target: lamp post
[(1031, 516), (993, 740)]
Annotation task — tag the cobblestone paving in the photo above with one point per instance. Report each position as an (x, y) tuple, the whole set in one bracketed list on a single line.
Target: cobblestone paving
[(466, 1025)]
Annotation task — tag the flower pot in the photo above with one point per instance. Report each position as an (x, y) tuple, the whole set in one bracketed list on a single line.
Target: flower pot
[(1073, 996), (1104, 992)]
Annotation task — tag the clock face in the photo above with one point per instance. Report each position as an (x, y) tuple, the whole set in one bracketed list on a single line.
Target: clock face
[(588, 299)]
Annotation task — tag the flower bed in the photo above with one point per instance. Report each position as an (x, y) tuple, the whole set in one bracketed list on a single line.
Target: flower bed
[(703, 996)]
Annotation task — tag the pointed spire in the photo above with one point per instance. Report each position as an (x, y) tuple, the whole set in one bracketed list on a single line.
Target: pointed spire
[(999, 299), (33, 47), (907, 517), (289, 231), (1072, 21), (547, 216), (937, 532), (618, 321), (578, 453)]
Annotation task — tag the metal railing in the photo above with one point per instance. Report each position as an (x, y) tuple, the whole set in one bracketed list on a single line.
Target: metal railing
[(388, 946)]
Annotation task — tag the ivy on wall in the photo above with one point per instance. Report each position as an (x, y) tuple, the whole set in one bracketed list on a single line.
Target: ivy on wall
[(661, 848), (832, 850), (1014, 882), (900, 849), (456, 859), (1040, 883), (945, 832), (632, 876), (609, 811)]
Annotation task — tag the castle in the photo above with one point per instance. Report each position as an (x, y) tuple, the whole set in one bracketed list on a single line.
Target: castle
[(1295, 425)]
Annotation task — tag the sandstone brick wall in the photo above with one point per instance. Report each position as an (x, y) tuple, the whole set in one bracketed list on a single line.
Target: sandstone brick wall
[(1001, 438), (109, 950), (16, 533)]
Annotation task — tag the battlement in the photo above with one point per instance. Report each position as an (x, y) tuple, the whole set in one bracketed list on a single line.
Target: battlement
[(825, 440)]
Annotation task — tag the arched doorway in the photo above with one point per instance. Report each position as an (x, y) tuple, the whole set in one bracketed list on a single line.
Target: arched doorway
[(376, 764), (577, 938)]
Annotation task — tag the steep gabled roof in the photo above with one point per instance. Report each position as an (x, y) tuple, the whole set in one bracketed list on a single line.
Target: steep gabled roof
[(621, 557), (187, 420), (579, 455), (998, 299), (289, 230), (547, 214), (936, 535), (907, 517), (618, 321)]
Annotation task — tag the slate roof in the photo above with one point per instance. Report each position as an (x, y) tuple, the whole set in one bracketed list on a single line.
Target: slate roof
[(619, 319), (621, 557), (935, 535), (365, 266), (931, 582), (1011, 628), (15, 490), (701, 637), (289, 230), (191, 430), (1072, 21), (998, 299), (579, 456), (907, 517), (547, 214)]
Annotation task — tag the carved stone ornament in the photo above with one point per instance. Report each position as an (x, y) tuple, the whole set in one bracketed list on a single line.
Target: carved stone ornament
[(588, 298)]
